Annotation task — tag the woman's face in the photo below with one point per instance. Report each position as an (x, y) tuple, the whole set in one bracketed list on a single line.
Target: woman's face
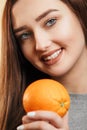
[(49, 34)]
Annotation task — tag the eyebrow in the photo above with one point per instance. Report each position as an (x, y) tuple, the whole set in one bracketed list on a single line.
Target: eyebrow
[(19, 29), (37, 19), (44, 14)]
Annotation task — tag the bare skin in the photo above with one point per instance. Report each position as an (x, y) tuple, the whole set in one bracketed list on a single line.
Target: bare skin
[(44, 120), (48, 39), (45, 38)]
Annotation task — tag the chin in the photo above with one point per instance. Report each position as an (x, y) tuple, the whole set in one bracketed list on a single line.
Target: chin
[(56, 73)]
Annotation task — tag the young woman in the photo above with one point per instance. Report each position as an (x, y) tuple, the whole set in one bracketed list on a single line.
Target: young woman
[(43, 39)]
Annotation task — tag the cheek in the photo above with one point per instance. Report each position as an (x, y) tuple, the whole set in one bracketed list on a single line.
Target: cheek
[(70, 36), (27, 51), (67, 33), (68, 29), (63, 33)]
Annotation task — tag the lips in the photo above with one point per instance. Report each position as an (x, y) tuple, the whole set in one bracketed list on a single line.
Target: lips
[(51, 57)]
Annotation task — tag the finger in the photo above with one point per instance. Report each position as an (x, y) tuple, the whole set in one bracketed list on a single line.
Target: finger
[(65, 121), (65, 118), (37, 125), (26, 120), (48, 116)]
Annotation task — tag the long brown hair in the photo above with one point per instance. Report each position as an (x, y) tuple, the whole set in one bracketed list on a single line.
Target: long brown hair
[(16, 72), (79, 7)]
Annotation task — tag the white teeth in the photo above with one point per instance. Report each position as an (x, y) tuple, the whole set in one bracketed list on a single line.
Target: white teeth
[(54, 55)]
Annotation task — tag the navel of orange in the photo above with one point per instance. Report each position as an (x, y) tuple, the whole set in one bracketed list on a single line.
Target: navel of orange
[(46, 94)]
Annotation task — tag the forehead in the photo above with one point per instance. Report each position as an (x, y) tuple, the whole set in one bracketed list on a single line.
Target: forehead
[(31, 6), (30, 9)]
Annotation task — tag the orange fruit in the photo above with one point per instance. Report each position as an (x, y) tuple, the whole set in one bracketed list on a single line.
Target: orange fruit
[(46, 94)]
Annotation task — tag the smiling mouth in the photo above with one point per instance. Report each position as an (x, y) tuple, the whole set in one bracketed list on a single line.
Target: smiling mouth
[(53, 56)]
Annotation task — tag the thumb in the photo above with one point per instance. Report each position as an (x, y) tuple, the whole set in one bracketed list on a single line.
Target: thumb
[(66, 120)]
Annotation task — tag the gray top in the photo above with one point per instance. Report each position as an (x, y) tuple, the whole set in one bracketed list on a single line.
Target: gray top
[(78, 112)]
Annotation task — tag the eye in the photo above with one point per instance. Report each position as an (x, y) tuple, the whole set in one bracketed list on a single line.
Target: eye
[(50, 22), (25, 36)]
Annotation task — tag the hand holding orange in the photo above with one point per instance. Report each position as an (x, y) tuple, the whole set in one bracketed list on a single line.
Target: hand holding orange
[(46, 94)]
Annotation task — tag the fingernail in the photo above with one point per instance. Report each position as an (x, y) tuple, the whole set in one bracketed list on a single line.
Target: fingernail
[(31, 114), (21, 127)]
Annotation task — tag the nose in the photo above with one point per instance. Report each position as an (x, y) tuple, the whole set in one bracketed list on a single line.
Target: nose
[(42, 41)]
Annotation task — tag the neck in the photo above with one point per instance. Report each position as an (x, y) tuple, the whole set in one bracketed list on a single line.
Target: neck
[(75, 81)]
